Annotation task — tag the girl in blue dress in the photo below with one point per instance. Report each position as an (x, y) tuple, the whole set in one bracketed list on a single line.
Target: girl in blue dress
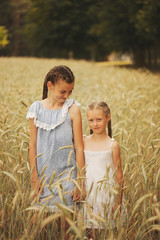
[(56, 142)]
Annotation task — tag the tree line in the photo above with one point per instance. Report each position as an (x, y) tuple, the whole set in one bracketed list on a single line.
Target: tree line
[(81, 29)]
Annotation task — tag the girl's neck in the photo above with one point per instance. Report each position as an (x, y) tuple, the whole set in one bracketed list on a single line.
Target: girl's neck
[(99, 137), (97, 142), (50, 104)]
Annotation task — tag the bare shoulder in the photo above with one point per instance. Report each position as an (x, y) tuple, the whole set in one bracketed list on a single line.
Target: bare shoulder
[(86, 138), (86, 141), (74, 111), (74, 107), (115, 146)]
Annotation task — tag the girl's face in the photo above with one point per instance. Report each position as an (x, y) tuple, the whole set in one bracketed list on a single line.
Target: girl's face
[(97, 120), (60, 91)]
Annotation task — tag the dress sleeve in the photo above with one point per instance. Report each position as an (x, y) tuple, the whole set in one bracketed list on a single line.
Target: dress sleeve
[(32, 112)]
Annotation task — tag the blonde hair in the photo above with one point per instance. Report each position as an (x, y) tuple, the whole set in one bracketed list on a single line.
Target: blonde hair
[(106, 110)]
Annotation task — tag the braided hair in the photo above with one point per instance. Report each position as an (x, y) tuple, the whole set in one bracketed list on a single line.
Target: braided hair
[(106, 110), (56, 73)]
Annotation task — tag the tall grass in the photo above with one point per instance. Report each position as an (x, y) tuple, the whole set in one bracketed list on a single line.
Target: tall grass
[(134, 99)]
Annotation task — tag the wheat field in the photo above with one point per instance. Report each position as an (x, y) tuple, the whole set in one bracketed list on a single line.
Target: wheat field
[(134, 99)]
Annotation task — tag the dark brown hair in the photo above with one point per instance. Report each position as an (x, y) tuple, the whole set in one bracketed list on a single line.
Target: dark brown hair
[(56, 73), (106, 110)]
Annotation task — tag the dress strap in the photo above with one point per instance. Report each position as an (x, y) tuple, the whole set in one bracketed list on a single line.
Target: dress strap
[(112, 140)]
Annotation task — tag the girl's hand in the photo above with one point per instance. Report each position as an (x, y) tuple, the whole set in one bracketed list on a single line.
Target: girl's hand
[(36, 187), (77, 195), (112, 211), (114, 208)]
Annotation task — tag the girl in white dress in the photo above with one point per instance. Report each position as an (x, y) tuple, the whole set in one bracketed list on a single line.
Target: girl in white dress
[(103, 165)]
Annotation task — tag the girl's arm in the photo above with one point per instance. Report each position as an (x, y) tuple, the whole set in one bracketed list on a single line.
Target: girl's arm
[(76, 118), (35, 182), (118, 169)]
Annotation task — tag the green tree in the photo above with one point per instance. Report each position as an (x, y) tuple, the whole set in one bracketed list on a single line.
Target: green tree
[(147, 25), (12, 17), (19, 9), (85, 29), (131, 26), (56, 28), (5, 21), (3, 37)]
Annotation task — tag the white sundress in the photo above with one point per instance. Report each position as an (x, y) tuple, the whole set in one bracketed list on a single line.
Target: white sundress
[(99, 173)]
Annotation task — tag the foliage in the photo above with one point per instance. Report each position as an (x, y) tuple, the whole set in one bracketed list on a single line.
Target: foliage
[(5, 13), (131, 26), (90, 29), (12, 17), (133, 96), (83, 29), (56, 28), (3, 37), (5, 21)]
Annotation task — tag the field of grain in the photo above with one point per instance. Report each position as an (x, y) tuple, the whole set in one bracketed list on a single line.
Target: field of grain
[(134, 99)]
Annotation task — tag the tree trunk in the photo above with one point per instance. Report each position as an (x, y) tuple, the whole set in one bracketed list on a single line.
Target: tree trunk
[(139, 57), (149, 56), (93, 53), (16, 25), (16, 36), (155, 55)]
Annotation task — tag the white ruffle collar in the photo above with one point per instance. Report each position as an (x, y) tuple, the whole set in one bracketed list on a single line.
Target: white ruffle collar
[(64, 111)]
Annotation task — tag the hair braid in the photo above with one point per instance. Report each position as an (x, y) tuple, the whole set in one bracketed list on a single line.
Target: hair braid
[(91, 131), (69, 71), (45, 90), (109, 129)]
